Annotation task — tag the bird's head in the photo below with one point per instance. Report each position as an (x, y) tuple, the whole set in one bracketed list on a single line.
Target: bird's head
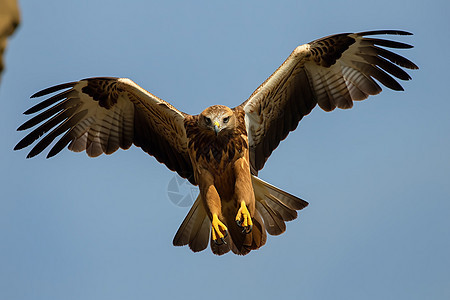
[(217, 118)]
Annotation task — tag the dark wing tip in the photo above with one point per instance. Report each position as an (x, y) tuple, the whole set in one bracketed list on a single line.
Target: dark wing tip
[(303, 204), (53, 89), (398, 88), (52, 153), (32, 154), (386, 43), (378, 32), (413, 66), (31, 110), (21, 128), (17, 147)]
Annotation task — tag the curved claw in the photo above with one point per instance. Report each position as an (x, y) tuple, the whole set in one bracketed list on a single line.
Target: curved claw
[(221, 241), (245, 229), (243, 219)]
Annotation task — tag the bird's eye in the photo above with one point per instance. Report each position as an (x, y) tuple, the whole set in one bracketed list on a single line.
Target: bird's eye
[(207, 120), (226, 119)]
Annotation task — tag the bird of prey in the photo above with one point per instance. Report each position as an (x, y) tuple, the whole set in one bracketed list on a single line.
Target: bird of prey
[(221, 149)]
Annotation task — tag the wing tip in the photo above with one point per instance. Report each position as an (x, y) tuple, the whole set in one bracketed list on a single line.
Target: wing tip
[(29, 111), (21, 128), (53, 89), (386, 43), (385, 31), (413, 66)]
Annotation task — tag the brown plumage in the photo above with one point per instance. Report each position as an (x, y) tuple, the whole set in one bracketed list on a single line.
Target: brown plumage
[(222, 149)]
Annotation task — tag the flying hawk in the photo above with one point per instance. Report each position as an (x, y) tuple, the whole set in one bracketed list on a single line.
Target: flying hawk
[(221, 149)]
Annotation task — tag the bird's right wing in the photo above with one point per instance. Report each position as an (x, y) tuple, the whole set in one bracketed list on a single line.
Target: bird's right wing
[(99, 115)]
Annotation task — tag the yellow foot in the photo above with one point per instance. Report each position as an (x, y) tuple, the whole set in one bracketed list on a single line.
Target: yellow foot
[(243, 219), (219, 231)]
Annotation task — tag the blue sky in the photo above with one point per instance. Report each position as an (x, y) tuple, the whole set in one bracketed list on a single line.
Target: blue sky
[(376, 176)]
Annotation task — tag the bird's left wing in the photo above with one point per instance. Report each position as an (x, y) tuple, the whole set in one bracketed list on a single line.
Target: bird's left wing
[(99, 115), (332, 72)]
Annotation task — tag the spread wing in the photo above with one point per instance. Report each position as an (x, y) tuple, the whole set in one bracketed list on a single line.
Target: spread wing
[(99, 115), (332, 72)]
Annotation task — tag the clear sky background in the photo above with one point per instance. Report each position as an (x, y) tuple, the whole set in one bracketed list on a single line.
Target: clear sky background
[(376, 176)]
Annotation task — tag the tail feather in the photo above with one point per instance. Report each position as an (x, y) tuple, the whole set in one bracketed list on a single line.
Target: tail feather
[(242, 243), (199, 238), (273, 222), (259, 237), (287, 199), (195, 228), (287, 213), (275, 205), (222, 248)]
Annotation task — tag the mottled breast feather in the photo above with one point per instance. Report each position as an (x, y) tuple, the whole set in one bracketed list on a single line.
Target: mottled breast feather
[(214, 149)]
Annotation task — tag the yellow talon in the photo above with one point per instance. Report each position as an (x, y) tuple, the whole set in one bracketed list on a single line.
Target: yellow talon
[(219, 230), (243, 218)]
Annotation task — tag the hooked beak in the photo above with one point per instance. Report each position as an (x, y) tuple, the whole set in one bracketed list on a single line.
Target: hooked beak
[(216, 127)]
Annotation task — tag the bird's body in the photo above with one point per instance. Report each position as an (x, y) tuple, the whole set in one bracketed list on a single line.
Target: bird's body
[(218, 147), (221, 149)]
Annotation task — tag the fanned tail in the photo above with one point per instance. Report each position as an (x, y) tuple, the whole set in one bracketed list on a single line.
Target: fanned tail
[(275, 205)]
